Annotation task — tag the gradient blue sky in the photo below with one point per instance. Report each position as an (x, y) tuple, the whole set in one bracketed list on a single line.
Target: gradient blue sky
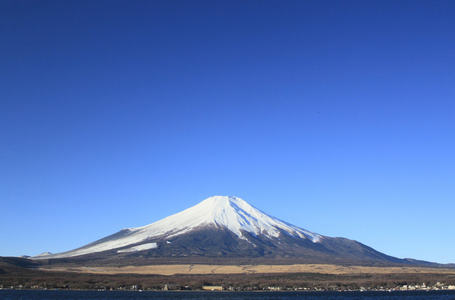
[(336, 116)]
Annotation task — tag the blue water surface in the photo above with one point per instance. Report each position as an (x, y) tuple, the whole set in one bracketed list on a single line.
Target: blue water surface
[(94, 295)]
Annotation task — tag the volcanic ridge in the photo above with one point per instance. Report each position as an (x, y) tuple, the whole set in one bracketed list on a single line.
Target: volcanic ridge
[(225, 227)]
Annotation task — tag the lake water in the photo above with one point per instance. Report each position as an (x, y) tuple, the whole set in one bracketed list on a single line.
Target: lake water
[(92, 295)]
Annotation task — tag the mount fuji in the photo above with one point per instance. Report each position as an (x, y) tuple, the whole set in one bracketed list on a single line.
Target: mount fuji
[(222, 227)]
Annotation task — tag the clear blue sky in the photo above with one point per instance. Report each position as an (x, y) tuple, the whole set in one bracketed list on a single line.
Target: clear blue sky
[(336, 116)]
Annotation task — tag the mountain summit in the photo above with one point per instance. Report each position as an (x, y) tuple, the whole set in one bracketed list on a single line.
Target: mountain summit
[(223, 226), (231, 213)]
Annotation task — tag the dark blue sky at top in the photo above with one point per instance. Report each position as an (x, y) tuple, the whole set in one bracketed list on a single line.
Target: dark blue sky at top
[(119, 113)]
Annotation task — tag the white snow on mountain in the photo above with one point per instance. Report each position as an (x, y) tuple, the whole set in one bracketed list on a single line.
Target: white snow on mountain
[(146, 246), (221, 211)]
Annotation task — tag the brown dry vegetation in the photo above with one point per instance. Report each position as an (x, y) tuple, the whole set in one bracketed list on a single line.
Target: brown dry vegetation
[(255, 281), (201, 269), (14, 272)]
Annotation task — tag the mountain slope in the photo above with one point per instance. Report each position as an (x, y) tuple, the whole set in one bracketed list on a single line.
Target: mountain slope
[(231, 213), (224, 227)]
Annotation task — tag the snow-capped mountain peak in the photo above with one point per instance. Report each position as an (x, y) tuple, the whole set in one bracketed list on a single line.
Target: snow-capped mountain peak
[(225, 212), (229, 212), (220, 228)]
